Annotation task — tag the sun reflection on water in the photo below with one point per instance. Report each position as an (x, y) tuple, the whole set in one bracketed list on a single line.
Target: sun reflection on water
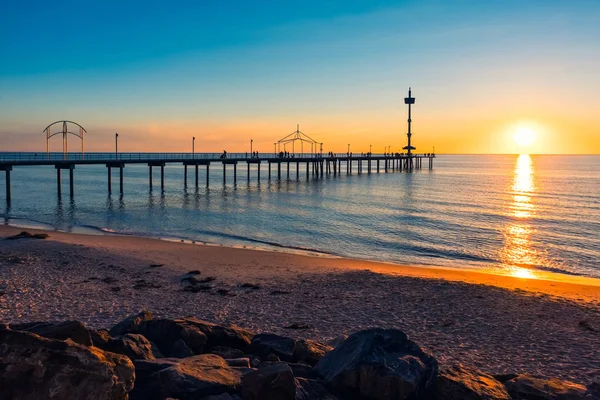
[(518, 255)]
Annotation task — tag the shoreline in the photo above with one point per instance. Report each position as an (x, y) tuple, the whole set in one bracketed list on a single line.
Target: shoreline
[(572, 287)]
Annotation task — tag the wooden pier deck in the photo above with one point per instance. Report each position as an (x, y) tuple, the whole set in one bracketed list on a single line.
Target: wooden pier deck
[(317, 165)]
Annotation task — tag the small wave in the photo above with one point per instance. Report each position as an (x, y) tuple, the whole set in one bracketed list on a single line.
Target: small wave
[(260, 241)]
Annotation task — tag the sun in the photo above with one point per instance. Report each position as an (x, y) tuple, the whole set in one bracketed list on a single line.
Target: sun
[(524, 136)]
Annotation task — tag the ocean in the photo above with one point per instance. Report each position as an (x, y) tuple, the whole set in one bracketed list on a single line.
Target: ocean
[(513, 214)]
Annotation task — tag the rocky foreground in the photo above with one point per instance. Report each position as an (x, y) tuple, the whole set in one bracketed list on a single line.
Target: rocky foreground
[(144, 357)]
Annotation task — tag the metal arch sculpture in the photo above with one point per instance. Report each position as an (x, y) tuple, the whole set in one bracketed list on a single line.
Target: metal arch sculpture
[(297, 135), (65, 133)]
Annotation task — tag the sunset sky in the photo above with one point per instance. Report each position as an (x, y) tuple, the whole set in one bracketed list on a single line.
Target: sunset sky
[(226, 72)]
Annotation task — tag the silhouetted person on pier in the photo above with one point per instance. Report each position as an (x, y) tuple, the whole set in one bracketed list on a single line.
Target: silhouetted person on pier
[(224, 155)]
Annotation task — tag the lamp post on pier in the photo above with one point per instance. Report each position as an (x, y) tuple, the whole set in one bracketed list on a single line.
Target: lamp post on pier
[(116, 146), (193, 146), (251, 146)]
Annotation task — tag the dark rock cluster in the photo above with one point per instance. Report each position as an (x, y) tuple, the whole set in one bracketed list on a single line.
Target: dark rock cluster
[(144, 357)]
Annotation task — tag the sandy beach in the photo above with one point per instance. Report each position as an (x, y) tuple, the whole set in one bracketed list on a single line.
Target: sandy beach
[(548, 326)]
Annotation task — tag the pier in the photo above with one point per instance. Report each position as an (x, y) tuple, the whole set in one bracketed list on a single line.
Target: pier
[(307, 166), (317, 164)]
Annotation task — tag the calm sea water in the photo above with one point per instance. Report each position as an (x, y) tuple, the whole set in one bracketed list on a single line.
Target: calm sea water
[(514, 214)]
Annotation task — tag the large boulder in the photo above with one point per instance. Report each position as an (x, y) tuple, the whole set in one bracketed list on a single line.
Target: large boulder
[(379, 364), (131, 324), (526, 387), (165, 333), (309, 351), (185, 379), (309, 389), (463, 383), (266, 344), (33, 367), (132, 345), (226, 352), (222, 336), (272, 382), (74, 330)]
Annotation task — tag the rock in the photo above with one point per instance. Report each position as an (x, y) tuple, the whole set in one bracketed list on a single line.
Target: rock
[(273, 358), (130, 324), (144, 284), (462, 383), (185, 379), (502, 378), (273, 382), (335, 342), (132, 345), (109, 280), (308, 389), (231, 336), (302, 370), (196, 288), (27, 235), (194, 272), (594, 390), (99, 337), (265, 344), (74, 330), (526, 387), (166, 332), (181, 350), (226, 352), (33, 367), (298, 325), (251, 286), (379, 364), (309, 351), (156, 265), (239, 362)]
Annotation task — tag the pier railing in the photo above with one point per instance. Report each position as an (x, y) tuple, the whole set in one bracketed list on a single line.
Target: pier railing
[(104, 156)]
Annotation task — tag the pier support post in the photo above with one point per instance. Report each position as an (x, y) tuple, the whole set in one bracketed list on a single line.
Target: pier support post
[(288, 170), (162, 178), (197, 174), (234, 174), (279, 171), (184, 175), (7, 170), (58, 182), (109, 179), (121, 179), (248, 172), (258, 172), (307, 170), (71, 186), (207, 174), (269, 170), (224, 175), (150, 177), (297, 170)]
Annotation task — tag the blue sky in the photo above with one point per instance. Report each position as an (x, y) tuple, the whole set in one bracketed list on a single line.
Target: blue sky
[(227, 70)]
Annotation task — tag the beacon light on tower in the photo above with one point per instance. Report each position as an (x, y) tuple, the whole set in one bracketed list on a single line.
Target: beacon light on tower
[(409, 100)]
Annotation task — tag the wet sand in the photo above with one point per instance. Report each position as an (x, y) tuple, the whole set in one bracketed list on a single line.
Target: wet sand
[(549, 327)]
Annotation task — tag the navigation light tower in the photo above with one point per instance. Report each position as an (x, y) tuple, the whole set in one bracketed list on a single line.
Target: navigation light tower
[(409, 100)]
